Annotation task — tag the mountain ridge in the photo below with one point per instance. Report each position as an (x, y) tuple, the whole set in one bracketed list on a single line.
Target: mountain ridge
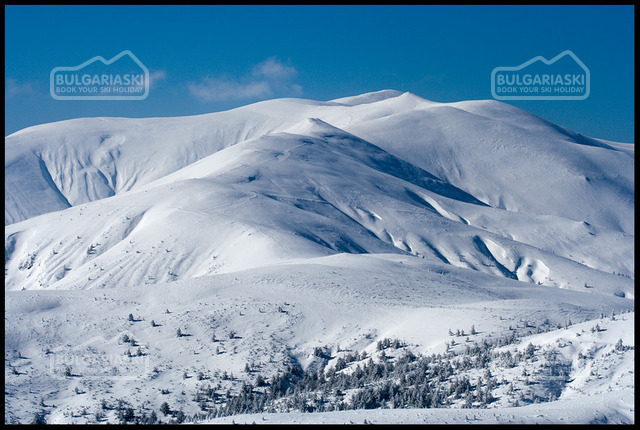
[(307, 189)]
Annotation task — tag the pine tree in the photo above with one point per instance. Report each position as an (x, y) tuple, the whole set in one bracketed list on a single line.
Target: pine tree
[(180, 417), (39, 418)]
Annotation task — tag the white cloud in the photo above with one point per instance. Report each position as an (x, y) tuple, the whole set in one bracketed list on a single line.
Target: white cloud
[(156, 76), (211, 89), (12, 87), (273, 69), (268, 78)]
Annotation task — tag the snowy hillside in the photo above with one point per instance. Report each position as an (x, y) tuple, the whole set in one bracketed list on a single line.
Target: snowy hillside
[(288, 233)]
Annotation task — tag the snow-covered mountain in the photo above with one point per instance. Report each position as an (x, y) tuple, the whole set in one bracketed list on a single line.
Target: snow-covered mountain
[(373, 216), (474, 184), (504, 156)]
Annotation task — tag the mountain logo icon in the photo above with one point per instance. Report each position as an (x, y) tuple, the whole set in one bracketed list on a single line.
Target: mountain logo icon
[(123, 77), (564, 77)]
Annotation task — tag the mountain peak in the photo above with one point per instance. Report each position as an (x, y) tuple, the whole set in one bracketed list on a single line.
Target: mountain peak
[(314, 126), (366, 98)]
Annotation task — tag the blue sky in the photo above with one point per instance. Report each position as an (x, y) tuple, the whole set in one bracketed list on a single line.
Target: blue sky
[(209, 58)]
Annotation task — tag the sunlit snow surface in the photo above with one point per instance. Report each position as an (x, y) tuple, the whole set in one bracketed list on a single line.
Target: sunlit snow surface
[(300, 224)]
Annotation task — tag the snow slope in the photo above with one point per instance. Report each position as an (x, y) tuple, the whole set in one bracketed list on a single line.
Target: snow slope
[(601, 391), (608, 409), (279, 315)]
